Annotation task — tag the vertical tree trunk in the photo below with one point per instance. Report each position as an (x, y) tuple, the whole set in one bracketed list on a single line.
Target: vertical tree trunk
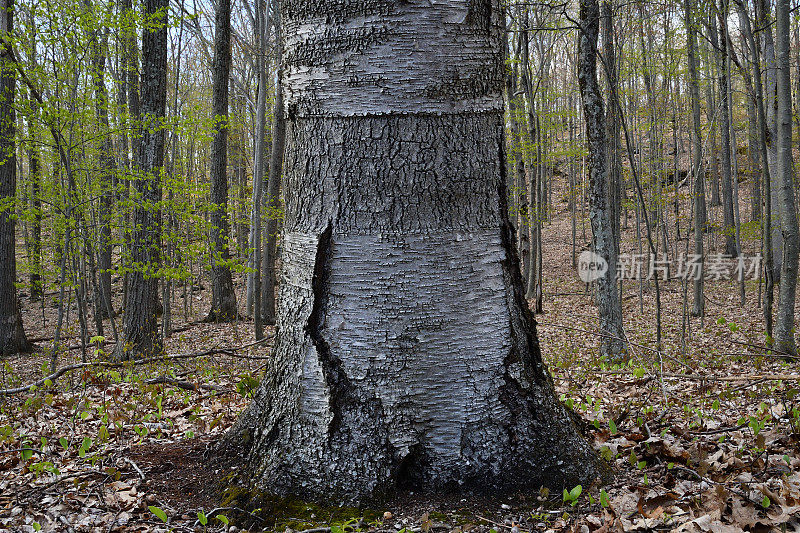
[(600, 212), (107, 166), (254, 279), (721, 44), (784, 326), (269, 274), (699, 194), (769, 68), (141, 335), (613, 160), (12, 335), (713, 118), (405, 354), (223, 297)]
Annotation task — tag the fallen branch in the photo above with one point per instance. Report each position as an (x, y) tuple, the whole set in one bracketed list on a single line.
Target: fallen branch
[(111, 364), (699, 377)]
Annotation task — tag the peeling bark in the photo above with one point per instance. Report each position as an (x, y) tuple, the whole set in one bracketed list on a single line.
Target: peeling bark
[(406, 355)]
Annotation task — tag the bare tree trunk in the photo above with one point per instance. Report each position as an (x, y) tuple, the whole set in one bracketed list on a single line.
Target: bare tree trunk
[(269, 273), (764, 25), (769, 270), (698, 299), (398, 254), (784, 327), (107, 167), (721, 45), (140, 335), (12, 335), (223, 297), (600, 212)]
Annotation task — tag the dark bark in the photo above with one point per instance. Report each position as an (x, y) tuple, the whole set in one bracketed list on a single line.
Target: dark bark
[(141, 334), (12, 334), (405, 353), (106, 168), (223, 297), (600, 210)]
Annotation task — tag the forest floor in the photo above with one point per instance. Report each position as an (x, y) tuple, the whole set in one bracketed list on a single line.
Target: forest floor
[(704, 435)]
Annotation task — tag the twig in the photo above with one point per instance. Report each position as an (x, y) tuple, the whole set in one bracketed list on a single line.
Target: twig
[(135, 467), (111, 364)]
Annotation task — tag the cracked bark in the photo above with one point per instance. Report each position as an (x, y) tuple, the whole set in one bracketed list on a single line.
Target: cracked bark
[(141, 335), (223, 297), (12, 335), (600, 211), (406, 355)]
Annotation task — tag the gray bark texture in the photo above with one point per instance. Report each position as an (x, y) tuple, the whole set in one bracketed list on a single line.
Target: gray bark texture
[(12, 335), (764, 25), (141, 336), (223, 297), (600, 210), (728, 221), (784, 325), (406, 355), (269, 274), (698, 300)]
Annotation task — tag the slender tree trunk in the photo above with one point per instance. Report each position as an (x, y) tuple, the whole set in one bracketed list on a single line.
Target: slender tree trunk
[(12, 335), (764, 164), (107, 167), (764, 24), (391, 264), (141, 335), (699, 194), (600, 211), (721, 45), (784, 327), (223, 297), (614, 161), (269, 273)]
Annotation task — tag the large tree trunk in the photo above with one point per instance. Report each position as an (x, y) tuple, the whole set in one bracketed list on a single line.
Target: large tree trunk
[(223, 297), (784, 325), (141, 336), (600, 212), (405, 354), (12, 335)]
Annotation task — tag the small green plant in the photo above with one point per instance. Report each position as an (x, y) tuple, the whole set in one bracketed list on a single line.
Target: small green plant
[(158, 512), (572, 496)]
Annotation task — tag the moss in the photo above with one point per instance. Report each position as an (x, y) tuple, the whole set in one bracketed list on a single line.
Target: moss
[(258, 510)]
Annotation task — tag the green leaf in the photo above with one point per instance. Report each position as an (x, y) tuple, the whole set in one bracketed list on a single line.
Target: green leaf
[(765, 502), (613, 426), (26, 454), (202, 518), (565, 496), (64, 443), (37, 526), (576, 492), (604, 501), (158, 512), (222, 518)]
